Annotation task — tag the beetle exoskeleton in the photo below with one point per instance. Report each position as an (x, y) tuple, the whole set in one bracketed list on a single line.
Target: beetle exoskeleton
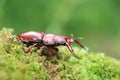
[(39, 39)]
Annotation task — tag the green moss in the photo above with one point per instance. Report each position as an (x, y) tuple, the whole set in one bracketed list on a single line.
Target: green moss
[(17, 65)]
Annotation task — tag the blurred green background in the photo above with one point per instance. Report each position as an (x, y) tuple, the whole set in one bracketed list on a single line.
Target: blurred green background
[(97, 21)]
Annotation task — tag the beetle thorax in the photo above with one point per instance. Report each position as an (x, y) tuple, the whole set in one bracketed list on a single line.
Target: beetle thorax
[(52, 39), (48, 39)]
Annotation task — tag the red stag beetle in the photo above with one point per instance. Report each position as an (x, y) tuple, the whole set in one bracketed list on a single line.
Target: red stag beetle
[(50, 41)]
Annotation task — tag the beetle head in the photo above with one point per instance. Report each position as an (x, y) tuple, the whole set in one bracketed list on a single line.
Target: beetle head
[(68, 44)]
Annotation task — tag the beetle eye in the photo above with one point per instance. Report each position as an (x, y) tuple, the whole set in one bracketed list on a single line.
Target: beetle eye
[(62, 42)]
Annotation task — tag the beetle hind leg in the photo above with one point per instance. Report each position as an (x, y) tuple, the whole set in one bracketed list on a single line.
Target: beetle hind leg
[(28, 50)]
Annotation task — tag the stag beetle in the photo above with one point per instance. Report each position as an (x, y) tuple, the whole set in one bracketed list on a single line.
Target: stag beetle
[(50, 41)]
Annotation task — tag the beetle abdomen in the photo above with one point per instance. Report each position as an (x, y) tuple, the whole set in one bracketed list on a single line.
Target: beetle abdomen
[(31, 35)]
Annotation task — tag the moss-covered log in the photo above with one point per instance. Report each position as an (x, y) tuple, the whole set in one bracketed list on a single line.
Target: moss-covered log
[(17, 65)]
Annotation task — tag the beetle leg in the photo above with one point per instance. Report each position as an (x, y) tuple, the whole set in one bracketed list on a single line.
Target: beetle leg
[(52, 52), (71, 50), (54, 48), (28, 50), (38, 46)]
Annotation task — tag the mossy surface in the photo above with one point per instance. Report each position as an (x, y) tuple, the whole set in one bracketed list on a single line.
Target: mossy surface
[(17, 65)]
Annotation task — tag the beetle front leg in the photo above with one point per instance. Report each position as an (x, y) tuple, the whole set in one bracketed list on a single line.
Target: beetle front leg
[(71, 50)]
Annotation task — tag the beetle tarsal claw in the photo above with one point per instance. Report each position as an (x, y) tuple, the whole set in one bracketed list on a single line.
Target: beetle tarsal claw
[(86, 49)]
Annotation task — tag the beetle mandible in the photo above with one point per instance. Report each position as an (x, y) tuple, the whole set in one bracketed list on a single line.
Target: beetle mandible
[(39, 39)]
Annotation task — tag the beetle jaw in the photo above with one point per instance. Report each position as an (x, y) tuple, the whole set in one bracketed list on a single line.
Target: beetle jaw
[(68, 44)]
